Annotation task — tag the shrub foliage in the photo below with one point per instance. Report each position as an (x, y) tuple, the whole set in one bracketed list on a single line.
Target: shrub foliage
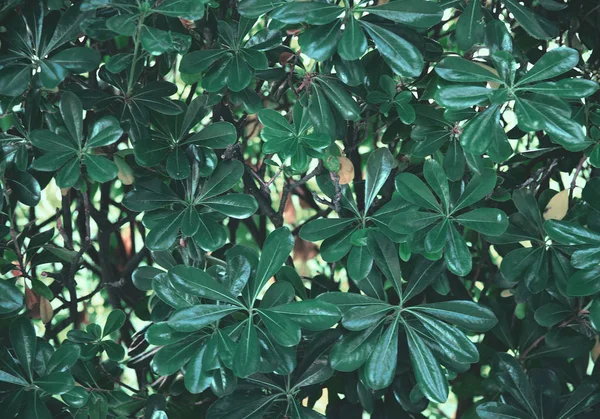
[(290, 209)]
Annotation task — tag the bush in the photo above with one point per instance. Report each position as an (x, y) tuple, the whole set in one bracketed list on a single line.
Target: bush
[(273, 209)]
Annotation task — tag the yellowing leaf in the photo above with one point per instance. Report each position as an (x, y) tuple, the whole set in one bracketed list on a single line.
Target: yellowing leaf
[(346, 172), (558, 206), (46, 311)]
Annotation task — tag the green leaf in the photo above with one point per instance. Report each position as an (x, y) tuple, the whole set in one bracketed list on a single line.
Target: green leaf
[(198, 61), (226, 175), (197, 282), (494, 410), (380, 368), (185, 9), (488, 221), (363, 317), (67, 28), (323, 228), (247, 352), (436, 178), (359, 262), (470, 28), (11, 299), (459, 69), (413, 221), (379, 167), (310, 314), (353, 42), (12, 379), (584, 282), (56, 383), (413, 190), (527, 264), (99, 168), (178, 165), (63, 358), (105, 131), (52, 74), (197, 317), (275, 251), (169, 359), (238, 206), (283, 330), (23, 340), (565, 88), (320, 112), (14, 79), (418, 14), (478, 188), (353, 349), (402, 56), (77, 397), (462, 97), (386, 258), (465, 314), (423, 274), (533, 24), (585, 396), (320, 42), (116, 320), (475, 137), (72, 113), (456, 253), (216, 135), (428, 373), (551, 314), (34, 407), (457, 345), (195, 378), (515, 381), (210, 235), (78, 59), (553, 63), (155, 41), (535, 115), (240, 74)]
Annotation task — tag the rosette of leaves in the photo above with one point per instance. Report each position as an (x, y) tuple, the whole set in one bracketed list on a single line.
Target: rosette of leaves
[(93, 340), (539, 103), (325, 37), (432, 227), (218, 331), (376, 332), (32, 372), (583, 245), (36, 43), (236, 62), (133, 104), (531, 267), (296, 140), (194, 207), (330, 105), (389, 97), (153, 25), (366, 237), (536, 394), (172, 139), (437, 130), (66, 151)]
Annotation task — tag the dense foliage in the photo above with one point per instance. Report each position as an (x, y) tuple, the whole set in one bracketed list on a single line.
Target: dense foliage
[(289, 209)]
